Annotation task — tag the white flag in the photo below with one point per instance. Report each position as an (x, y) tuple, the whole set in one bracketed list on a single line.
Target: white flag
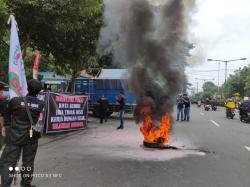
[(17, 78)]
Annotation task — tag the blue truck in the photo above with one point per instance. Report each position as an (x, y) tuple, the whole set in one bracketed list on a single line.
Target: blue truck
[(109, 82)]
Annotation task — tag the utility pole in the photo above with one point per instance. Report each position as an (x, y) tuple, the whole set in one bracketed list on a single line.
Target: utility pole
[(218, 79), (197, 87), (226, 62)]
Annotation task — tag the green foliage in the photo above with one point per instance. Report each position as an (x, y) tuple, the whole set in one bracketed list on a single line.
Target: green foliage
[(4, 13), (239, 82), (46, 63), (198, 96), (66, 29), (247, 85), (209, 90)]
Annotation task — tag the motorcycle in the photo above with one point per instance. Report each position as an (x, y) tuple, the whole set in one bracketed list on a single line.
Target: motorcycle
[(207, 107), (245, 115), (230, 113), (199, 104), (214, 107)]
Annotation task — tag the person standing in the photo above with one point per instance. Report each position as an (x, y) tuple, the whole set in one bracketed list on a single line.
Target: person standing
[(2, 129), (180, 106), (103, 108), (20, 137), (121, 102), (3, 105), (187, 108)]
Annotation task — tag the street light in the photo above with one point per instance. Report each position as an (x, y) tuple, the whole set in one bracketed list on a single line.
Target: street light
[(226, 62)]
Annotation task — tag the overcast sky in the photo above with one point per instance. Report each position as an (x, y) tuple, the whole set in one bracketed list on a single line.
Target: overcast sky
[(221, 30)]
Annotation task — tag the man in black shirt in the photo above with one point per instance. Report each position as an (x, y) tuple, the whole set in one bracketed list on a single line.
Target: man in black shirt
[(103, 108), (18, 138), (3, 105), (121, 101), (187, 108), (180, 107)]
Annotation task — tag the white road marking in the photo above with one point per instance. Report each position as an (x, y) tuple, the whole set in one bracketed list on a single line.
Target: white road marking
[(216, 124), (202, 114), (248, 148)]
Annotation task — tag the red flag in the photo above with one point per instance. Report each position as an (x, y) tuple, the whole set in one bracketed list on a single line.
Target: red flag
[(222, 95), (36, 65)]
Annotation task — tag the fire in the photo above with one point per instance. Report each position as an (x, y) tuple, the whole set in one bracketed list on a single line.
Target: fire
[(154, 134)]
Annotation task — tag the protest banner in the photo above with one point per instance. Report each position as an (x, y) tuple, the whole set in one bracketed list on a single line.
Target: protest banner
[(65, 112)]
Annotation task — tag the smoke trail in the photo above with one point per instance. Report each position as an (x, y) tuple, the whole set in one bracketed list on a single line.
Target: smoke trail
[(150, 39)]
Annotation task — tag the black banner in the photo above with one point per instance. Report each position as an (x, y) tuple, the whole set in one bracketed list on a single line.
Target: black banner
[(66, 112)]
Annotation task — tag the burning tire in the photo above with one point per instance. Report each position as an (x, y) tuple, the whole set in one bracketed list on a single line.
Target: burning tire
[(158, 146), (152, 145)]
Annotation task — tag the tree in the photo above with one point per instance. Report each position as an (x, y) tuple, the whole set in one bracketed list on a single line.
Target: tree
[(209, 89), (198, 96), (46, 63), (4, 13), (237, 83), (68, 30), (247, 85)]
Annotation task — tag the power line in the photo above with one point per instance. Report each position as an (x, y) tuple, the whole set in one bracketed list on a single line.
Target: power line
[(212, 70)]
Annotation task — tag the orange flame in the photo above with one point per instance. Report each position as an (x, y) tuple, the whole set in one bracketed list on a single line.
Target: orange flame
[(154, 134)]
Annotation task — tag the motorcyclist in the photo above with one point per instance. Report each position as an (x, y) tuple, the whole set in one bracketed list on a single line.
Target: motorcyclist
[(213, 104), (245, 106), (230, 104), (207, 104), (230, 107), (199, 103)]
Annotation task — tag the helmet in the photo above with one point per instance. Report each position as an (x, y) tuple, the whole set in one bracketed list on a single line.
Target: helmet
[(246, 99), (34, 86)]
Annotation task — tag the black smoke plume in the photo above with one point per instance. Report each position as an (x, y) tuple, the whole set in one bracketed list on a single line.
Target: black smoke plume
[(149, 37)]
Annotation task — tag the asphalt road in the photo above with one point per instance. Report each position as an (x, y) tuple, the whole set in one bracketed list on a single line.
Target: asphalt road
[(102, 156)]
